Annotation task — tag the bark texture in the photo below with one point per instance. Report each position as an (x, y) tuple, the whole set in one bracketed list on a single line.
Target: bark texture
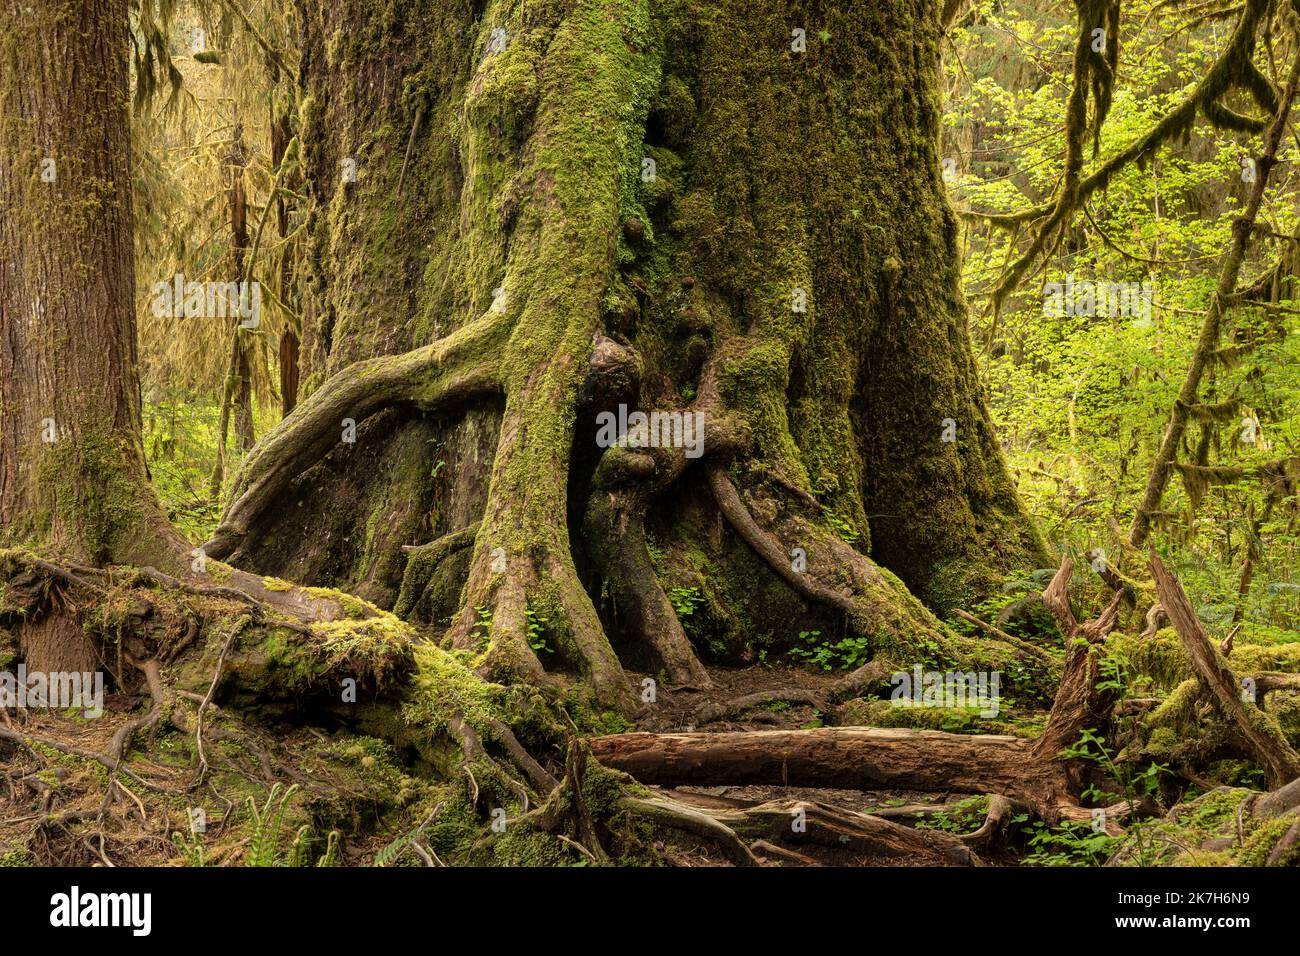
[(71, 461), (543, 213)]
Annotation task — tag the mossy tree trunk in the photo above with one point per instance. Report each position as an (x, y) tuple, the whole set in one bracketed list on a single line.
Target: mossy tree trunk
[(72, 474), (541, 212), (72, 469)]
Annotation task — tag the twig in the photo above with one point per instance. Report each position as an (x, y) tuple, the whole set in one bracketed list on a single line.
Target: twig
[(216, 677)]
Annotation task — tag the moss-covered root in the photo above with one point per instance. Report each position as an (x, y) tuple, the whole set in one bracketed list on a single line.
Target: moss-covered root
[(519, 608), (626, 483), (1229, 826), (453, 369), (424, 564), (571, 809), (832, 573)]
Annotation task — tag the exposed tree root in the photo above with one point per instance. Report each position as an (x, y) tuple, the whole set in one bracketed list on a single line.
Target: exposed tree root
[(800, 822), (999, 815), (710, 713), (452, 370), (679, 816), (835, 575), (496, 770), (770, 851), (625, 485)]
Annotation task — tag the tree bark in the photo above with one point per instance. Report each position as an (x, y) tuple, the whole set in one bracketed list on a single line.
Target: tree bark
[(72, 474), (72, 467), (745, 199)]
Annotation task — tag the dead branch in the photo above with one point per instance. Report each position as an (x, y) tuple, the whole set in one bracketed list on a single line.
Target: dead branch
[(1261, 734)]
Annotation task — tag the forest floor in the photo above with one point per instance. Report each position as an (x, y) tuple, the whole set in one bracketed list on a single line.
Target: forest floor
[(676, 710), (53, 800), (273, 768)]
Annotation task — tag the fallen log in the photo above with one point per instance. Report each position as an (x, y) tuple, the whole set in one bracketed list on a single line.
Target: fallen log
[(849, 758), (1032, 773)]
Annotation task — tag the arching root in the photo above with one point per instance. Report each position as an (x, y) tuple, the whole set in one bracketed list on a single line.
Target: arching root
[(625, 485), (453, 370), (835, 575)]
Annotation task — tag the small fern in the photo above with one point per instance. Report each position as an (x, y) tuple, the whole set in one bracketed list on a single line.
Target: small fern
[(393, 852), (264, 846), (191, 847), (331, 855), (298, 849)]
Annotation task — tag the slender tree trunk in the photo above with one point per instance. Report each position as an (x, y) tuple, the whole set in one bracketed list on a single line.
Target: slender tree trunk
[(243, 396), (281, 132)]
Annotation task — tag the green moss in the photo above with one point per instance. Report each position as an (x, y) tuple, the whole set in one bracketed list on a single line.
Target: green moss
[(1261, 841), (1215, 829), (1181, 837), (1285, 709), (16, 856), (271, 666), (884, 713), (444, 687), (520, 846), (1163, 659), (87, 500)]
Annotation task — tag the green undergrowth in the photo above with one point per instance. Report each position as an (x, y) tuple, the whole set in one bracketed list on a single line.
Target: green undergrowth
[(1163, 659), (1213, 829)]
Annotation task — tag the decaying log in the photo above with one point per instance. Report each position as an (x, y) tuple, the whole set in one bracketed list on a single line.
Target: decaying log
[(1079, 704), (850, 758)]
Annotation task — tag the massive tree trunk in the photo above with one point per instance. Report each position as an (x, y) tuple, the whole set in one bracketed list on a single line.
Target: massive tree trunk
[(72, 473), (529, 215)]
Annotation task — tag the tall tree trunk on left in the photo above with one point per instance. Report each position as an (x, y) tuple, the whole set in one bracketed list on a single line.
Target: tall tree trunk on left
[(73, 478)]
